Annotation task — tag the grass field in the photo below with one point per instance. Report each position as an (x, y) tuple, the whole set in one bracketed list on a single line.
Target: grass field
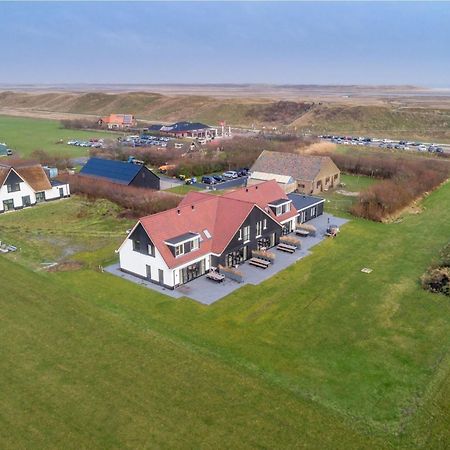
[(183, 189), (340, 203), (319, 356), (24, 135)]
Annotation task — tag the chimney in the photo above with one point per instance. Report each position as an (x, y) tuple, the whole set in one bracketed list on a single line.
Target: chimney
[(178, 212), (246, 189), (256, 187), (192, 206)]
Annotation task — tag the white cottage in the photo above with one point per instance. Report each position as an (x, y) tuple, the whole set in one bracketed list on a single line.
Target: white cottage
[(24, 184)]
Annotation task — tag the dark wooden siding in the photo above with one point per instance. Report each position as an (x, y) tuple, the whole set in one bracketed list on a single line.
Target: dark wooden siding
[(145, 178), (309, 212), (140, 235), (235, 244)]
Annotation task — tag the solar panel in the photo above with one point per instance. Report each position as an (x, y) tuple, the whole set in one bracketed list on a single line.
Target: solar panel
[(117, 171)]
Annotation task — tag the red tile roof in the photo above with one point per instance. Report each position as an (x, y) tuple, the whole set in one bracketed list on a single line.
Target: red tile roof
[(222, 216)]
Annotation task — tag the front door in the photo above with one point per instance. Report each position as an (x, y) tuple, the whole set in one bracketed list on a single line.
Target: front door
[(61, 192), (161, 276)]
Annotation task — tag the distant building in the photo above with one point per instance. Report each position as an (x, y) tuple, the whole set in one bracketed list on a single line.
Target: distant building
[(118, 121), (193, 130), (120, 172), (312, 174), (24, 183)]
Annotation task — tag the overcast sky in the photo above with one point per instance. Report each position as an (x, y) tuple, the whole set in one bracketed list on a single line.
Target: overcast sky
[(279, 43)]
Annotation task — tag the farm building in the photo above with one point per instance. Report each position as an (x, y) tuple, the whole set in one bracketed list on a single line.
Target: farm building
[(118, 121), (175, 246), (312, 174), (307, 206), (286, 182), (186, 130), (24, 184), (121, 172)]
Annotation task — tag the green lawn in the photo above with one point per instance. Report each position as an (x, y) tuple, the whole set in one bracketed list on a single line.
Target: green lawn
[(24, 135), (341, 202), (319, 356), (183, 189)]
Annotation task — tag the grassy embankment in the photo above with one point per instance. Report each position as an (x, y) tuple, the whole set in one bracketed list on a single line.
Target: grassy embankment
[(321, 355)]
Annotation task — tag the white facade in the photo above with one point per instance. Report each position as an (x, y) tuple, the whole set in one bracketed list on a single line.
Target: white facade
[(138, 263), (26, 195)]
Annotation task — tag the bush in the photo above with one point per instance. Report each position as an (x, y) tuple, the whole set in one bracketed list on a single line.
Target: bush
[(137, 202), (404, 180), (47, 159), (437, 280)]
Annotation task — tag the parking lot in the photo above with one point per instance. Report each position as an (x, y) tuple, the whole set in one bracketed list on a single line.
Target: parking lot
[(388, 143), (227, 184)]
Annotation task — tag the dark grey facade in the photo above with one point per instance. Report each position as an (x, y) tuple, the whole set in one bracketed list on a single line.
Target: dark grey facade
[(307, 206), (145, 178), (238, 250)]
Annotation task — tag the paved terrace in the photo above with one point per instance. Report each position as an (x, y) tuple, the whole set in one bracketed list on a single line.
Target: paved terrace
[(206, 291)]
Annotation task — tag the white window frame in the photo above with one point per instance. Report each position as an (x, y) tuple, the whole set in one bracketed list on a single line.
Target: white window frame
[(240, 234), (259, 226), (246, 229), (265, 224)]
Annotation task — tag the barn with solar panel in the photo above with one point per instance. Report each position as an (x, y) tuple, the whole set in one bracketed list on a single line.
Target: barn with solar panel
[(121, 172)]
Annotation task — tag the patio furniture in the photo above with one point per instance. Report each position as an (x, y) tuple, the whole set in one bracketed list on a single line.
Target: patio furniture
[(300, 232), (258, 262), (286, 248), (215, 276)]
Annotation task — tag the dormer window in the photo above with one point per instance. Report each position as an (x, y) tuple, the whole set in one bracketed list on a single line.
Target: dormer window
[(185, 243), (281, 206)]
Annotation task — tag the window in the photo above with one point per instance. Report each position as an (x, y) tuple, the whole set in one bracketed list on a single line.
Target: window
[(8, 205), (151, 249), (179, 250), (40, 197), (195, 244), (136, 245), (240, 235), (246, 233), (259, 228), (313, 212), (26, 201), (327, 180), (282, 209), (265, 224), (336, 176), (13, 187)]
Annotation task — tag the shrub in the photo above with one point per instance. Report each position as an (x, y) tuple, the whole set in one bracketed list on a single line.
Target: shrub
[(437, 280), (136, 201), (404, 179)]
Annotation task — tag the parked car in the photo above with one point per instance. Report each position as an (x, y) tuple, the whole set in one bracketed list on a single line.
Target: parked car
[(218, 178), (243, 172), (192, 180), (230, 174), (208, 180)]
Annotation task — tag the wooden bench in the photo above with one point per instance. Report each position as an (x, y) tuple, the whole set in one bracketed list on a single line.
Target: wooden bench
[(286, 248), (215, 276), (258, 262), (302, 233)]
